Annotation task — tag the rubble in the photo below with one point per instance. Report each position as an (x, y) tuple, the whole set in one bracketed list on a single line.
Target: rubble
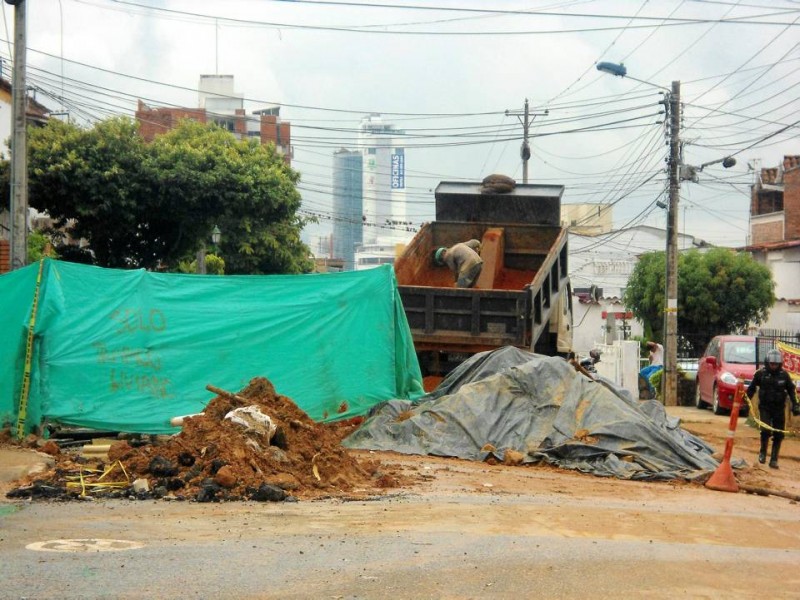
[(216, 459)]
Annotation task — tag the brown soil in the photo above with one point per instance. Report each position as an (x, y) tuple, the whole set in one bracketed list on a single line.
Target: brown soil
[(348, 474), (305, 459)]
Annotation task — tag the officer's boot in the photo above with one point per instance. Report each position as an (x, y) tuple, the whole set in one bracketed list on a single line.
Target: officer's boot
[(773, 459), (762, 454)]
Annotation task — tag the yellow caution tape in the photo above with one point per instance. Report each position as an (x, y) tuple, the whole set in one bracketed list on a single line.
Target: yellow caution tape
[(22, 414), (760, 423)]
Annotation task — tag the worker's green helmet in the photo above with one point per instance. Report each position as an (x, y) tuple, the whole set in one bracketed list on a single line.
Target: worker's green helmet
[(437, 256)]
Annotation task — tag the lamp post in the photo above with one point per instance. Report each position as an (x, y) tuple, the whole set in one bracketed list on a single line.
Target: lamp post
[(677, 172), (672, 102), (216, 235)]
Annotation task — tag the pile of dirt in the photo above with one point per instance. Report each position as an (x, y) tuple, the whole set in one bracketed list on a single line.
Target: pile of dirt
[(216, 459)]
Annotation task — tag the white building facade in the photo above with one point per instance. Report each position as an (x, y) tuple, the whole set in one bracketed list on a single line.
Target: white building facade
[(599, 269), (386, 227), (384, 185)]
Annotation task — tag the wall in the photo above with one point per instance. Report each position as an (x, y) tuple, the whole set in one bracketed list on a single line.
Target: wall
[(791, 196), (5, 256), (154, 121), (619, 362), (765, 229), (274, 131), (784, 315), (589, 326)]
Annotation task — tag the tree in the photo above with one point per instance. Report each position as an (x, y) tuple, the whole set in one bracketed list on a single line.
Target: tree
[(39, 246), (719, 291), (153, 205)]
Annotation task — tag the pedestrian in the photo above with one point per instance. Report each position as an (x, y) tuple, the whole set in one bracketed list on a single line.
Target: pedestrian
[(656, 353), (656, 363), (774, 384), (464, 261)]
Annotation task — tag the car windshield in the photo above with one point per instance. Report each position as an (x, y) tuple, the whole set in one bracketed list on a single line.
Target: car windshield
[(739, 352)]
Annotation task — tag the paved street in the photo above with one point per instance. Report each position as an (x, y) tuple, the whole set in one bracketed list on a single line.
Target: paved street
[(469, 530)]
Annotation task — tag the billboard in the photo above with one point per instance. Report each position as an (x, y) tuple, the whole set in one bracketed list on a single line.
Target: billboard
[(398, 171)]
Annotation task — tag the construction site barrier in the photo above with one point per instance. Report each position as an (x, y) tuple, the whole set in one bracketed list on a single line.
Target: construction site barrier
[(723, 479)]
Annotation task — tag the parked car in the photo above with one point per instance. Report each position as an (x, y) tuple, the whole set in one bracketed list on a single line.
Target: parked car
[(726, 359)]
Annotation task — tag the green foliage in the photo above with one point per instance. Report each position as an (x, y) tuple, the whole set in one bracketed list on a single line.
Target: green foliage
[(719, 291), (39, 246), (644, 294), (215, 265), (154, 205), (655, 381)]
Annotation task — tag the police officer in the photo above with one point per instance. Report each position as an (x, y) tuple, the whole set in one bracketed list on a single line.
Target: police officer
[(773, 384)]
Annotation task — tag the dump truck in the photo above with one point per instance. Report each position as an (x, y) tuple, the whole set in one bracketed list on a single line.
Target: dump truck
[(522, 296)]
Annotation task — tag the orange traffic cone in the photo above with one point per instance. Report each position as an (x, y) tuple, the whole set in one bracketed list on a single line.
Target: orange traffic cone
[(723, 479)]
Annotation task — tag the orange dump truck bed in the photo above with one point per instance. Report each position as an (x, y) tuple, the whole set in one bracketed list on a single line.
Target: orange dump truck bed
[(521, 297)]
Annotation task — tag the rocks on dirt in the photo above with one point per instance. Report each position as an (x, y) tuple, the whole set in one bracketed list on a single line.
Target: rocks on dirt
[(214, 459)]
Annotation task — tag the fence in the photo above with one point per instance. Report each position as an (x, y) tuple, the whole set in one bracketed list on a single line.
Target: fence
[(767, 338)]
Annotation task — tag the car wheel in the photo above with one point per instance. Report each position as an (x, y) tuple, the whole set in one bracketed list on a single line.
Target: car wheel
[(718, 410), (698, 399)]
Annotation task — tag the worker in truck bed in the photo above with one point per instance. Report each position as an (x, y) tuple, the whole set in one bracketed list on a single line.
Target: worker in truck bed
[(463, 259)]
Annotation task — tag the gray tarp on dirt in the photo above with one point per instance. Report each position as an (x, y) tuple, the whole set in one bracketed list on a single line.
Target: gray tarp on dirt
[(541, 407)]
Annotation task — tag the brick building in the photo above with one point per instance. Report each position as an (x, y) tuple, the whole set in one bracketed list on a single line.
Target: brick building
[(775, 237), (154, 121), (219, 104), (775, 204)]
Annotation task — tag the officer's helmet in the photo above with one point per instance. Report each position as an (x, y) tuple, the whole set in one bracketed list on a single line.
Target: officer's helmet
[(773, 360)]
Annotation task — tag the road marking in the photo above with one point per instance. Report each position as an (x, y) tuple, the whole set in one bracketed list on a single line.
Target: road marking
[(84, 545)]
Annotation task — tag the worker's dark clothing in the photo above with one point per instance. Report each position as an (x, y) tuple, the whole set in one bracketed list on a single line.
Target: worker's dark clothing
[(773, 388)]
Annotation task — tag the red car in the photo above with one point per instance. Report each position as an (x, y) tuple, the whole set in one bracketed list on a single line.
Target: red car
[(726, 359)]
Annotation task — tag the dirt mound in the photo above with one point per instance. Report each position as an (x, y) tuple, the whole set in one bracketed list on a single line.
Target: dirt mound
[(214, 458)]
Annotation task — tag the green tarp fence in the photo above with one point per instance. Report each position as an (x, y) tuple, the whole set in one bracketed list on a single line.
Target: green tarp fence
[(128, 350)]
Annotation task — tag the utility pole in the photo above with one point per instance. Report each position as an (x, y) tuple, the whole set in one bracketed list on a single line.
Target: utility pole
[(671, 304), (19, 149), (525, 149)]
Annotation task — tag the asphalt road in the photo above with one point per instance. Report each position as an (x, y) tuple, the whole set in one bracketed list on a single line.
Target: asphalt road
[(469, 530), (449, 546)]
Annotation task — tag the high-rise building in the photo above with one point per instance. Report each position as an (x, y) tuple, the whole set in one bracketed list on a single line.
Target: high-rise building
[(384, 185), (347, 205)]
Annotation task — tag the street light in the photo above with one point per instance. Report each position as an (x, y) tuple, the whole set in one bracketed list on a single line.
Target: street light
[(216, 234), (689, 173), (672, 102)]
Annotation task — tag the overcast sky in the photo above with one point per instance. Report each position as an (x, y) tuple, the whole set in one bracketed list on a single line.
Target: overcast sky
[(447, 74)]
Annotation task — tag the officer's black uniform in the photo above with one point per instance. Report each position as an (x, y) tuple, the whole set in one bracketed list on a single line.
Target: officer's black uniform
[(773, 384)]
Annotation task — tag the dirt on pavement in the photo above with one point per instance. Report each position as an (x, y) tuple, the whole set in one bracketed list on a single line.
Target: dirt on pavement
[(214, 459)]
